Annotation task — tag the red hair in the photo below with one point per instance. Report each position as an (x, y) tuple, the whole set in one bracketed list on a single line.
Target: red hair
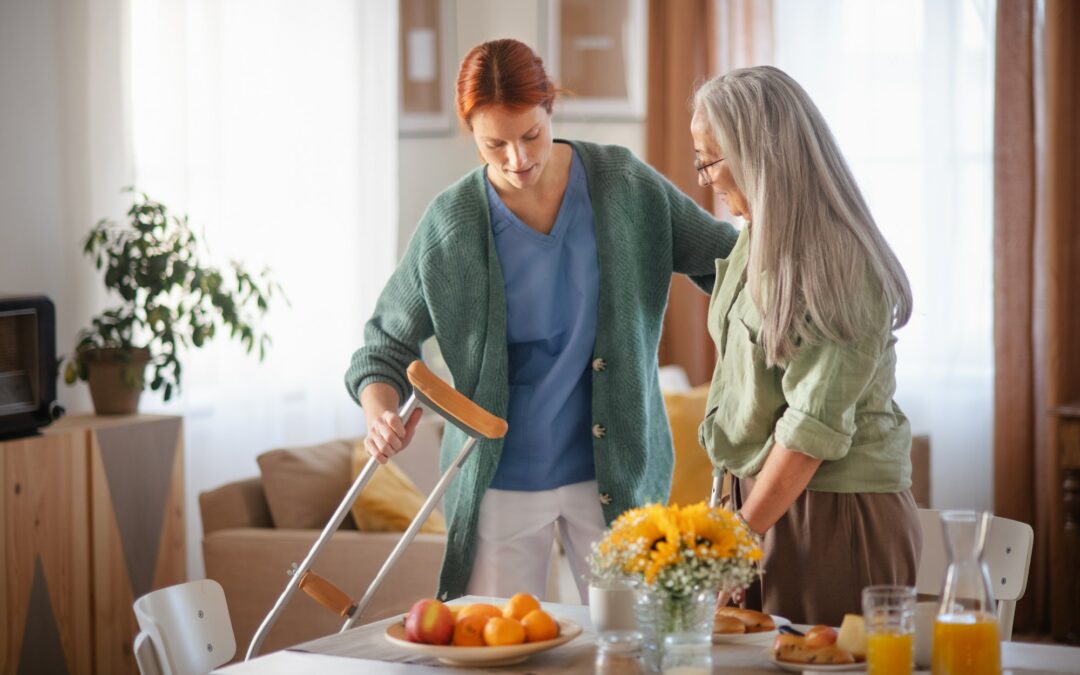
[(502, 72)]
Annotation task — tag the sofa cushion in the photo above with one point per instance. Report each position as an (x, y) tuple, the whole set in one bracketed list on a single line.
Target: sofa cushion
[(692, 478), (241, 503), (390, 501), (304, 485)]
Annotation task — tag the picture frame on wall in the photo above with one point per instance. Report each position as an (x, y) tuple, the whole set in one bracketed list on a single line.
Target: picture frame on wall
[(596, 51), (426, 67)]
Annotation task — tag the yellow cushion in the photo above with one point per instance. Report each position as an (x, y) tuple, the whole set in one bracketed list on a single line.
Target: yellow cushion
[(389, 501), (692, 478)]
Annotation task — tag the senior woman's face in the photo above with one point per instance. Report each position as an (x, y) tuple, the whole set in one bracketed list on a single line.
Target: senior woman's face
[(718, 176)]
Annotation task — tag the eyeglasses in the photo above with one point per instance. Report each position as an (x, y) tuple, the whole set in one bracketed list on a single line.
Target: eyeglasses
[(702, 170)]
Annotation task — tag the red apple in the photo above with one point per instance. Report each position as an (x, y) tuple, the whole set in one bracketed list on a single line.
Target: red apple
[(821, 636), (429, 621)]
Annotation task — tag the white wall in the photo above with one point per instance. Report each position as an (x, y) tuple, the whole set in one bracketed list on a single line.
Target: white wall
[(428, 165)]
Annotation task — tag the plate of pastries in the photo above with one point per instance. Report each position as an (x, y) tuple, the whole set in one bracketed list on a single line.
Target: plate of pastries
[(734, 625), (822, 648)]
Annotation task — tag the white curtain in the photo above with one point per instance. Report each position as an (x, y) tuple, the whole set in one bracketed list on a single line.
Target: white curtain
[(907, 87), (65, 152), (273, 124)]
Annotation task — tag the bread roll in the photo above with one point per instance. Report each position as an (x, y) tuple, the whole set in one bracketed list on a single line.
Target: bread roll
[(755, 622), (829, 655), (728, 625), (788, 647), (793, 648)]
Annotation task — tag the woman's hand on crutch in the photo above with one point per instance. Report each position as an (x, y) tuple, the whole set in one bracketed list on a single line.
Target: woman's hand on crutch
[(387, 433)]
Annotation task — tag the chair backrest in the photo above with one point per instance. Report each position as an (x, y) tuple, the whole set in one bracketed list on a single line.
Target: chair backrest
[(145, 657), (1007, 556), (188, 626)]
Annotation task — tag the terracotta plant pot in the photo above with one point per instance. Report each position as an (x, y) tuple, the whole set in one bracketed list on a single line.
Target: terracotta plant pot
[(116, 379)]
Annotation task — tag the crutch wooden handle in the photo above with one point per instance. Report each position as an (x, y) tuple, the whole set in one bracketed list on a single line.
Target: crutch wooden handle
[(327, 594), (469, 417)]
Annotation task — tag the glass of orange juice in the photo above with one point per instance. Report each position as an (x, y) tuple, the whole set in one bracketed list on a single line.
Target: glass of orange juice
[(889, 613)]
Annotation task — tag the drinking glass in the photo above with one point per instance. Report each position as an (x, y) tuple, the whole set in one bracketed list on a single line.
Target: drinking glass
[(611, 604), (889, 613)]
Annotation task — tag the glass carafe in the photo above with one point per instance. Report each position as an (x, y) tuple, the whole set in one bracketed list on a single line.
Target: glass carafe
[(966, 638)]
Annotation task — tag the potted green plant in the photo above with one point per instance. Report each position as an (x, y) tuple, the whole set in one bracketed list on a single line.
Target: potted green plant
[(170, 297)]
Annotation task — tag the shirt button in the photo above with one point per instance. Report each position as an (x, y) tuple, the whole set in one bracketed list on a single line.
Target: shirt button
[(599, 364), (598, 430), (605, 498)]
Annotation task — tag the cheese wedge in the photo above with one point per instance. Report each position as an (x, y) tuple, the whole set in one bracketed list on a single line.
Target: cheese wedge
[(852, 636)]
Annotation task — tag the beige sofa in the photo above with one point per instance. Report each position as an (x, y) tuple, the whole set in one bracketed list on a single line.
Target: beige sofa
[(249, 556)]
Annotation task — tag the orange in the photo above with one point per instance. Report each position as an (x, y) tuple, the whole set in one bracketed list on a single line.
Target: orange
[(520, 605), (469, 631), (502, 631), (454, 609), (479, 609), (539, 626)]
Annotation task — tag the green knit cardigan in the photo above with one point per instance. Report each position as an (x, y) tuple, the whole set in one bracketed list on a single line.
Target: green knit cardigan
[(449, 284)]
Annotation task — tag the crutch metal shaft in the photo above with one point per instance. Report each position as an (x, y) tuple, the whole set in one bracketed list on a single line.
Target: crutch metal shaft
[(456, 408), (717, 486), (410, 533), (331, 527)]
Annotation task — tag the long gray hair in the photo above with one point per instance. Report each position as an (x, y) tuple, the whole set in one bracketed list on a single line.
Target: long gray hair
[(814, 244)]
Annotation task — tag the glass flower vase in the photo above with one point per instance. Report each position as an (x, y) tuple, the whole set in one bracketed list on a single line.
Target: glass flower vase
[(661, 612)]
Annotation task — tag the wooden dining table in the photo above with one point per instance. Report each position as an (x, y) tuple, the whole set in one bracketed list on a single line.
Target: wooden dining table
[(366, 650)]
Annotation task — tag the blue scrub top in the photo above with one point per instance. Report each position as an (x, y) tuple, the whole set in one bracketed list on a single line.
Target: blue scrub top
[(552, 286)]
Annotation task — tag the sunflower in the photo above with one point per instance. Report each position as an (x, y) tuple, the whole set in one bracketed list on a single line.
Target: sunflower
[(708, 531), (666, 549), (642, 532)]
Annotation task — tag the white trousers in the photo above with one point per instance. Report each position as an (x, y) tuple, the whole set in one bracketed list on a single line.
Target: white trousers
[(515, 534)]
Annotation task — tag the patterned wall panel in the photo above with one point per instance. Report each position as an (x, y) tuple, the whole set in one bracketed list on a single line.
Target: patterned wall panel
[(45, 598), (136, 474), (92, 516)]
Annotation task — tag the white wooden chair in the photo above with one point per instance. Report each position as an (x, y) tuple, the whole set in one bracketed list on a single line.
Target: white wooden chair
[(1007, 556), (183, 630)]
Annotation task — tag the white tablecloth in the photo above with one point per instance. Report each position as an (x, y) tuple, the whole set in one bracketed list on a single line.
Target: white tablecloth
[(365, 650)]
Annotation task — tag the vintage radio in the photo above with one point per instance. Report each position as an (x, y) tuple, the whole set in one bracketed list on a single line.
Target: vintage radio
[(27, 365)]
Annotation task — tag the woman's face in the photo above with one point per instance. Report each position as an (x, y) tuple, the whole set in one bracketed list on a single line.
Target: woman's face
[(718, 176), (516, 145)]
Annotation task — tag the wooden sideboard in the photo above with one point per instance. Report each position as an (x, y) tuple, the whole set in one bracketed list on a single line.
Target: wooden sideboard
[(1066, 617), (93, 517)]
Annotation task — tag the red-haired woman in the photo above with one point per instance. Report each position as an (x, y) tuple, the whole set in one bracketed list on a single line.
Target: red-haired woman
[(544, 276)]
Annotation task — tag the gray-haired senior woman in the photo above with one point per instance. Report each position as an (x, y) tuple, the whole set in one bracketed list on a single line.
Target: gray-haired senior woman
[(800, 409)]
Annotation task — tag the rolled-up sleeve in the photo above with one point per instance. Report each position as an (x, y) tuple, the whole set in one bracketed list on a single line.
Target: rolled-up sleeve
[(822, 386)]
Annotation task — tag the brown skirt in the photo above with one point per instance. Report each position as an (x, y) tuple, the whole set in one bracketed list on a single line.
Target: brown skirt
[(829, 546)]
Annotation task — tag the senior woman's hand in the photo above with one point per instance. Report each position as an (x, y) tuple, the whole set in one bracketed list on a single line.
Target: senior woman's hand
[(726, 598)]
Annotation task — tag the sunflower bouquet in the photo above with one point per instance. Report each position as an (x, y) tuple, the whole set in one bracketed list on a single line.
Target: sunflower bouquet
[(678, 550)]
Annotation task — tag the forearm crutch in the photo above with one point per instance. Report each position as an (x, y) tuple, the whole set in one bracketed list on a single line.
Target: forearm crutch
[(455, 408), (717, 486)]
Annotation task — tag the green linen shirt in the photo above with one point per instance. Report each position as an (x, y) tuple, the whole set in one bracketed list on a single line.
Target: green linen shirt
[(831, 401), (449, 284)]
